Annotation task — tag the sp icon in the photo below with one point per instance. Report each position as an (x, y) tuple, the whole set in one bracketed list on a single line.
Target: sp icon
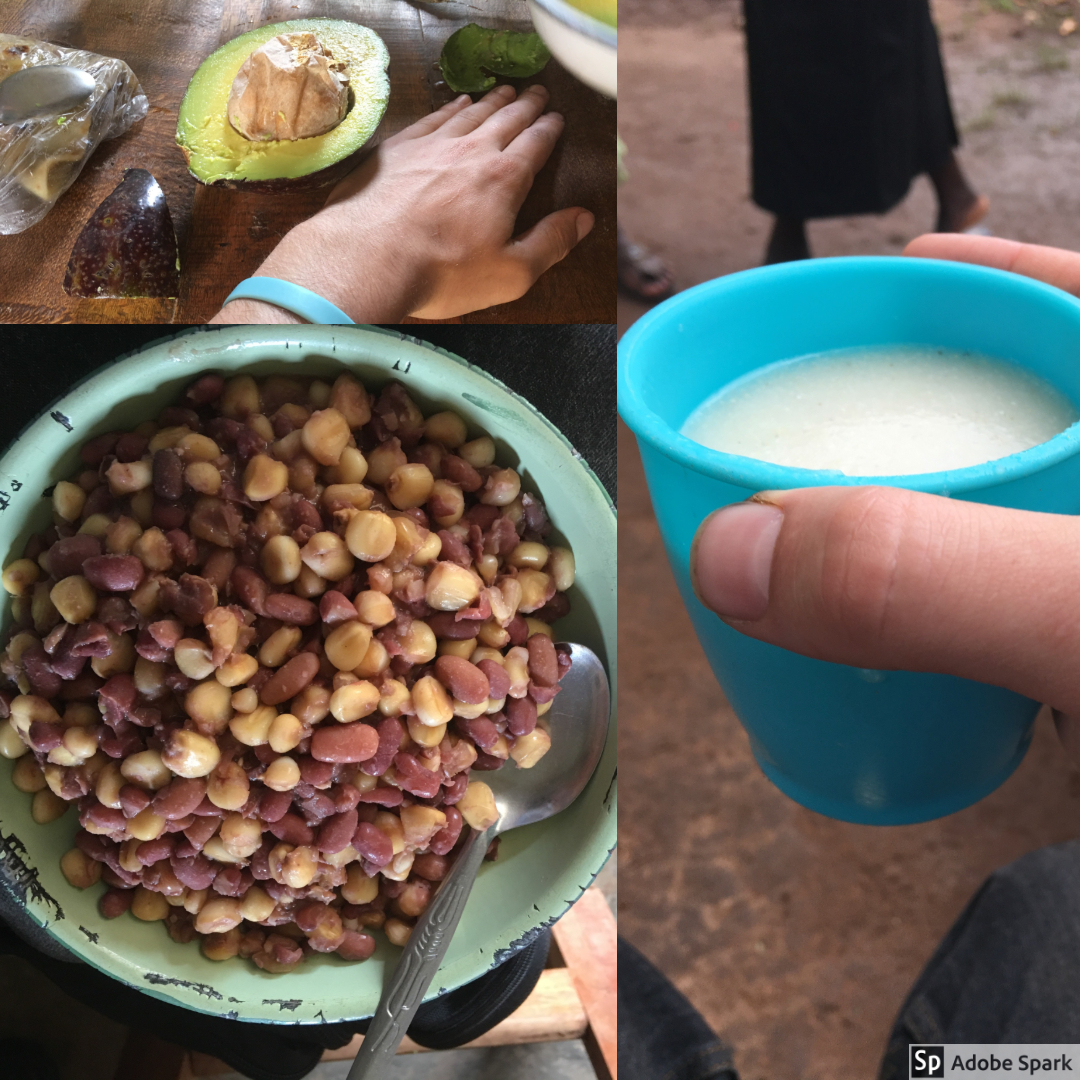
[(926, 1061)]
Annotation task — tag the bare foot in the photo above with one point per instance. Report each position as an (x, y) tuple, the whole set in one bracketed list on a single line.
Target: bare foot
[(641, 273), (959, 207)]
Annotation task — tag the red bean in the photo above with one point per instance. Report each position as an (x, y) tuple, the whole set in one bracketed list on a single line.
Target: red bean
[(113, 573), (218, 567), (356, 945), (373, 844), (518, 629), (251, 588), (444, 625), (190, 598), (168, 475), (151, 851), (44, 737), (106, 817), (480, 729), (93, 845), (458, 471), (133, 800), (344, 742), (207, 809), (185, 550), (498, 680), (463, 679), (292, 829), (178, 798), (335, 608), (196, 873), (520, 716), (444, 840), (345, 797), (66, 557), (542, 694), (95, 451), (201, 831), (414, 778), (431, 867), (289, 680), (130, 447), (482, 515), (205, 389), (114, 903), (453, 791), (319, 774), (233, 881), (118, 878), (290, 608), (274, 805), (166, 632), (543, 664), (336, 833), (316, 806), (390, 735), (168, 515)]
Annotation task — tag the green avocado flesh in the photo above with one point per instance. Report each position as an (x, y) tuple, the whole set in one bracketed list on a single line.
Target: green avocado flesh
[(474, 55), (217, 153)]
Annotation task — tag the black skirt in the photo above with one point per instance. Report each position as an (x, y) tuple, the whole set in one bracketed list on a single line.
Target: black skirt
[(848, 103)]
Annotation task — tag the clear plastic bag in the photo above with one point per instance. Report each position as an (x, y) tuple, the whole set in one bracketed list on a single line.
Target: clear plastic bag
[(41, 158)]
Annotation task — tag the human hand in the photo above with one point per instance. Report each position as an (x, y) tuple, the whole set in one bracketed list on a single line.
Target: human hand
[(885, 578), (424, 225)]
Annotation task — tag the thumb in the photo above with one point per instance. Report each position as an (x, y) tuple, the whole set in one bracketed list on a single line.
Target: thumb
[(885, 578), (551, 238), (1055, 266)]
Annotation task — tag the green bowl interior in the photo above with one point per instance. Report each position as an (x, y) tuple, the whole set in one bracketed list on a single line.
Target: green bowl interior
[(541, 870)]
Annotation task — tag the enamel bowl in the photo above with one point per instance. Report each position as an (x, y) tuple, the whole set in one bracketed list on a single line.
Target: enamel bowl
[(584, 45), (542, 869)]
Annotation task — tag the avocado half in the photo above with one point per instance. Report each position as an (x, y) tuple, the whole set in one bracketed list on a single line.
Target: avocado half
[(217, 154)]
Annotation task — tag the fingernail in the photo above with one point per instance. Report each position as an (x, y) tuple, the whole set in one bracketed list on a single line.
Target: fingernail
[(731, 559), (584, 224), (462, 98)]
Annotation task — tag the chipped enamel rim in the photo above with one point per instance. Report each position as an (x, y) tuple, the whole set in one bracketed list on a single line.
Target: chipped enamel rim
[(542, 868)]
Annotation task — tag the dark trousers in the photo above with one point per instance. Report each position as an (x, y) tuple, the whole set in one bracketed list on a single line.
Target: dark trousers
[(1007, 972)]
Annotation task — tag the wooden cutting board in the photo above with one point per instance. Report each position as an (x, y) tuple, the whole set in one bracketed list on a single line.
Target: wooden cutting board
[(224, 235)]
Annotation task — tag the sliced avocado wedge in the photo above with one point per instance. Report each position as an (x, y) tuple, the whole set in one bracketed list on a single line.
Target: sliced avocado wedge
[(218, 154), (474, 55)]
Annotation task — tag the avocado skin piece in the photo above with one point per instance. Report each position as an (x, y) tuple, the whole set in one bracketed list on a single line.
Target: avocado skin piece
[(219, 156), (474, 55), (128, 247)]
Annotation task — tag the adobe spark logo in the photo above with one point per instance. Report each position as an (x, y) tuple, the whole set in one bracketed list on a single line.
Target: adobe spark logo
[(926, 1061)]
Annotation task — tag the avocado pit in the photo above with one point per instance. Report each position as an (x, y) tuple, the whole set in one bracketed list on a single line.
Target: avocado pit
[(288, 117), (290, 88)]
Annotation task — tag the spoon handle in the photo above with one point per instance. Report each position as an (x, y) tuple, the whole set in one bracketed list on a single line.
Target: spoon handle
[(420, 959)]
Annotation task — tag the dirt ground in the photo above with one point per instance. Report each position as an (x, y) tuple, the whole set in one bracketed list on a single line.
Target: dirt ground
[(683, 116), (797, 936)]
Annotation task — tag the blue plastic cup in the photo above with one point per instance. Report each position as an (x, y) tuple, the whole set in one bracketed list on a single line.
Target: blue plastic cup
[(873, 747)]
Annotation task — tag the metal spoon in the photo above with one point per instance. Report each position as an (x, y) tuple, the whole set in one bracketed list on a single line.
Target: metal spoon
[(579, 722), (48, 89)]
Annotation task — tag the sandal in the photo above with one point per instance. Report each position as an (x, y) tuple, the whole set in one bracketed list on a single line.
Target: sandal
[(641, 273)]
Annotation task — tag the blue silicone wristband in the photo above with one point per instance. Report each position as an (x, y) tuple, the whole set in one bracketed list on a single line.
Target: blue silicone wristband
[(308, 305)]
